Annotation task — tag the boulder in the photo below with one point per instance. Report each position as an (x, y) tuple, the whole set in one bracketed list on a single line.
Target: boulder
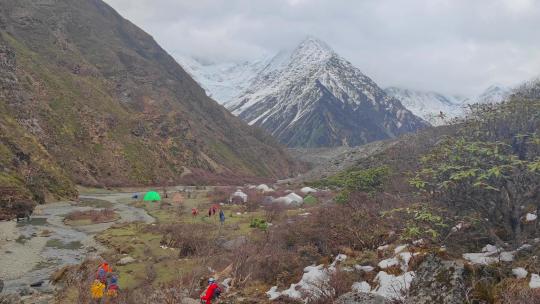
[(26, 291), (126, 260), (11, 298), (437, 281), (361, 298)]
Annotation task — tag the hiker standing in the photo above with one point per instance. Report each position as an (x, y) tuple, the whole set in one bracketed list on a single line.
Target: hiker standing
[(221, 216), (212, 292)]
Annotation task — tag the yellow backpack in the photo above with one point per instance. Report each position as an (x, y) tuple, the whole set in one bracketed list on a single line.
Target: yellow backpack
[(97, 289)]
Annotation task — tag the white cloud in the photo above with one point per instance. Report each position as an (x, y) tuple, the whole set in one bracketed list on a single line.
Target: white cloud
[(452, 46)]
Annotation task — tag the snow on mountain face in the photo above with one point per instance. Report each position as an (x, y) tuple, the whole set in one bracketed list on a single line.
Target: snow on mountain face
[(493, 94), (223, 81), (429, 105), (438, 108), (312, 97)]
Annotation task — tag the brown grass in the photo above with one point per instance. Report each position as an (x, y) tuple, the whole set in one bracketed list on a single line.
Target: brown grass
[(94, 216)]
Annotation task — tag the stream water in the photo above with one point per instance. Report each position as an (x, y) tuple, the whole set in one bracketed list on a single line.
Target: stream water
[(31, 251)]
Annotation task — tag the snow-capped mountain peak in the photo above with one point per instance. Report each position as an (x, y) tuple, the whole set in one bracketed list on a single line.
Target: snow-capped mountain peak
[(312, 51), (313, 97)]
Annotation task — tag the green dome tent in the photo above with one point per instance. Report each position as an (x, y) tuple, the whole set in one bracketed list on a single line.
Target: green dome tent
[(152, 196)]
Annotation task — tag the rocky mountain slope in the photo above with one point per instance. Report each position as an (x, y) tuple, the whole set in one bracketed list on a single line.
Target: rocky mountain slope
[(88, 96), (311, 97), (429, 105)]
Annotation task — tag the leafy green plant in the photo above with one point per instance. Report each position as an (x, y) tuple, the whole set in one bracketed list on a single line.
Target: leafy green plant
[(356, 180), (258, 223), (421, 221)]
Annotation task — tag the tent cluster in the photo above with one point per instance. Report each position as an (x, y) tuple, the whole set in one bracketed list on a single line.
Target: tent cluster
[(290, 199)]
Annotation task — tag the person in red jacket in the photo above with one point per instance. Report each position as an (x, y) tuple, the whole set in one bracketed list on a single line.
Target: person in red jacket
[(212, 292)]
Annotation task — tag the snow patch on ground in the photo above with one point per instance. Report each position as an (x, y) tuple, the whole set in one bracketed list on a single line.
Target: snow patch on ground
[(361, 287), (520, 272), (309, 287), (530, 217), (535, 281), (391, 286)]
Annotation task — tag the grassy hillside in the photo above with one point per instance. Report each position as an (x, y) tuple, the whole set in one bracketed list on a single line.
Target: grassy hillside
[(111, 107)]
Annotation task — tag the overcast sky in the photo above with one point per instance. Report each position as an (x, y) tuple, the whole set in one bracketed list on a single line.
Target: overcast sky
[(450, 46)]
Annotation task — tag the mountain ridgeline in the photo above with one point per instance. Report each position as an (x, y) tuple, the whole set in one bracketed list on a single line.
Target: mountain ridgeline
[(87, 97), (312, 97)]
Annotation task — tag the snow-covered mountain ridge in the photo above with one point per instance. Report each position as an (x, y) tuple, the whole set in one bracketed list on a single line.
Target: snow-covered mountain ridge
[(312, 97), (439, 108)]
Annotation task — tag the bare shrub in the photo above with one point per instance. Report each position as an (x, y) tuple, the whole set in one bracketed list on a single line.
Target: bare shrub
[(273, 212), (518, 292), (191, 240)]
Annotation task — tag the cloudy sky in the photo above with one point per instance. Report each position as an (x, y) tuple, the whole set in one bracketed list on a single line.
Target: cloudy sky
[(450, 46)]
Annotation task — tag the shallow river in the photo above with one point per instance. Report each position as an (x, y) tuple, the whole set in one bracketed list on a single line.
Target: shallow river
[(31, 251)]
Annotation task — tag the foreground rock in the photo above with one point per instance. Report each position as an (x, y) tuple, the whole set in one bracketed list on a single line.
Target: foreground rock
[(10, 299), (361, 298), (438, 281), (126, 260)]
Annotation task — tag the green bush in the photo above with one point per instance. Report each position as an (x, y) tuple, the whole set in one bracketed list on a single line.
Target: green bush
[(310, 199), (259, 223), (356, 180)]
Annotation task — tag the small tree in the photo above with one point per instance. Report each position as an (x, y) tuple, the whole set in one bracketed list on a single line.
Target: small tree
[(484, 177)]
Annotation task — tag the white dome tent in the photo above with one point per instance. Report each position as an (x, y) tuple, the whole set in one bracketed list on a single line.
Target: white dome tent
[(240, 194)]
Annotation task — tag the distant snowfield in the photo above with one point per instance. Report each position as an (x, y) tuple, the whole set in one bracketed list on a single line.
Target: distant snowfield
[(438, 109)]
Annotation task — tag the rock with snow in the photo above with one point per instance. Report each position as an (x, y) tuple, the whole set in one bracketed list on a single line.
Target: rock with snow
[(535, 281), (366, 268), (457, 227), (309, 287), (506, 256), (490, 248), (400, 248), (419, 242), (388, 263), (273, 293), (226, 283), (264, 188), (405, 258), (361, 287), (391, 286), (438, 281), (383, 247), (490, 254), (313, 278), (308, 190), (529, 217), (520, 272)]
